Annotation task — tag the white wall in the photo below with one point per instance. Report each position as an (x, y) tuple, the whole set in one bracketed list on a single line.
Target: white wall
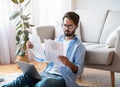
[(97, 4), (47, 12)]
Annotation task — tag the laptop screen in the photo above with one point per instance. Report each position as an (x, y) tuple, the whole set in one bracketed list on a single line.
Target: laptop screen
[(29, 69)]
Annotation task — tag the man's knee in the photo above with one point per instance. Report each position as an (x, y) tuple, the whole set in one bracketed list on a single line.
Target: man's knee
[(46, 83)]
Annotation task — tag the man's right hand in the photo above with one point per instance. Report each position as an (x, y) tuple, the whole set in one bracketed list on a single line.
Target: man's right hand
[(29, 45)]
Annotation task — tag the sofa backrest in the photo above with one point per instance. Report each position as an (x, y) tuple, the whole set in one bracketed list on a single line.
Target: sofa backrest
[(91, 24), (111, 23), (45, 32), (95, 26)]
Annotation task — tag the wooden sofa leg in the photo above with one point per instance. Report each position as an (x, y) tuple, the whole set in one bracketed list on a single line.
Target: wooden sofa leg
[(112, 78)]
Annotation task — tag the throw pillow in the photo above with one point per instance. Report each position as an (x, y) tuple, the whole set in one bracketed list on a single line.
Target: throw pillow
[(111, 40), (59, 30)]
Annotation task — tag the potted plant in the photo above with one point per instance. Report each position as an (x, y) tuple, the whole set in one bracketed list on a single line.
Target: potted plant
[(22, 27)]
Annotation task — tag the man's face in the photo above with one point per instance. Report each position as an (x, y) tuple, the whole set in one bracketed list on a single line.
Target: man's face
[(69, 27)]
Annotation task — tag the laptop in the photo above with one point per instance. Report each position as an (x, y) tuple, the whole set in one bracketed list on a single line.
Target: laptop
[(1, 79), (29, 69)]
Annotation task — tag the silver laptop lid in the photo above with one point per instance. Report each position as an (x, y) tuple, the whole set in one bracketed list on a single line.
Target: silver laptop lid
[(29, 69)]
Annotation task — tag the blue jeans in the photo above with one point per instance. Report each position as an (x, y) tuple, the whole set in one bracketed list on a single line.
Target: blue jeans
[(47, 80)]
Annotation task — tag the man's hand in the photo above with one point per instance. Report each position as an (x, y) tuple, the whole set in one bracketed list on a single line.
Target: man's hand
[(29, 45), (66, 62)]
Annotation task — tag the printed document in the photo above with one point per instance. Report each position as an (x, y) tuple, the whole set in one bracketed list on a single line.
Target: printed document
[(52, 49), (37, 50)]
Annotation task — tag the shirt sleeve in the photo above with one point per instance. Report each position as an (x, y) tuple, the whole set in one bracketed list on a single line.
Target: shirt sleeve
[(80, 58)]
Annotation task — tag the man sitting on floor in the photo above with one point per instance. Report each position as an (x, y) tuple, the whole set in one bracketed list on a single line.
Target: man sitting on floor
[(72, 63)]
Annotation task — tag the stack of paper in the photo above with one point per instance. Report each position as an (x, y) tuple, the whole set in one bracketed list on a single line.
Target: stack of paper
[(52, 49)]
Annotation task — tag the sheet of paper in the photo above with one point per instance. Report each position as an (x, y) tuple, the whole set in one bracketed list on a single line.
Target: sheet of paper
[(52, 50), (37, 50)]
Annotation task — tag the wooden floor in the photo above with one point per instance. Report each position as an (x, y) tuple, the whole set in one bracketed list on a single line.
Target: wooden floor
[(12, 68), (90, 77)]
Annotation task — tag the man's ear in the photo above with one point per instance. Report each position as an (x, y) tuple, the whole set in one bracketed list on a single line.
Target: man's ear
[(76, 26)]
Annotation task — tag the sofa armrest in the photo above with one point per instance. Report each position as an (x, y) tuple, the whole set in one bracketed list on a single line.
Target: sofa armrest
[(116, 60), (45, 32), (117, 45)]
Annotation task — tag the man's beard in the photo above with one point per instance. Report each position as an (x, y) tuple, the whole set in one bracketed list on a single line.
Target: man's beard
[(66, 33)]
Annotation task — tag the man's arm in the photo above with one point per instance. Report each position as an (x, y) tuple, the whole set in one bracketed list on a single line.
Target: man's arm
[(66, 62)]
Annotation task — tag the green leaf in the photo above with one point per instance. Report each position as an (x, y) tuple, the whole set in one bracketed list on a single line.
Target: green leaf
[(18, 26), (24, 17), (19, 32), (14, 15), (32, 25), (23, 45), (17, 51), (17, 43), (21, 54), (26, 39), (24, 7), (21, 1), (27, 3), (27, 25), (18, 23), (28, 15), (15, 1), (26, 33), (17, 38)]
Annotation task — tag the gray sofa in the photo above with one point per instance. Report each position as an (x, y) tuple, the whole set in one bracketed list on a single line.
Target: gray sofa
[(95, 28)]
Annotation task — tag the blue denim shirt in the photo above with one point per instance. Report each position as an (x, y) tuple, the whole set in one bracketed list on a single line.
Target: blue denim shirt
[(76, 54)]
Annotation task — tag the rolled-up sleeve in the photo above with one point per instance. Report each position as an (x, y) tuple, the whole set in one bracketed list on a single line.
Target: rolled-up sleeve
[(80, 58)]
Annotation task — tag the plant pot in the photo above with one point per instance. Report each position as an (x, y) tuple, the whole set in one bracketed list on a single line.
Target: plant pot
[(21, 58)]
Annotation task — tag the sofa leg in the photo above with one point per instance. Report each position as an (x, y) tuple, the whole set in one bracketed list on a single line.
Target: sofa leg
[(112, 78)]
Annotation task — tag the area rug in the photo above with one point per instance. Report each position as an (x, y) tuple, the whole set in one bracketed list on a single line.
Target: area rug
[(89, 78), (98, 78), (9, 78)]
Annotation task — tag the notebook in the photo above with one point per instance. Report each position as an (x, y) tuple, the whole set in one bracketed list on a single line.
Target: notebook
[(29, 69)]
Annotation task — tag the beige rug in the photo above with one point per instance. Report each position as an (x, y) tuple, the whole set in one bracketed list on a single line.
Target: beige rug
[(90, 77), (9, 78), (98, 78)]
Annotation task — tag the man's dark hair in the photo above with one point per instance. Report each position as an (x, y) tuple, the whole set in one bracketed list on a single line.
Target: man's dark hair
[(73, 16)]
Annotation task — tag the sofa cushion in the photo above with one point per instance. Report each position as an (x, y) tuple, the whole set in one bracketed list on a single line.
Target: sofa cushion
[(111, 40), (112, 22), (92, 22), (99, 54)]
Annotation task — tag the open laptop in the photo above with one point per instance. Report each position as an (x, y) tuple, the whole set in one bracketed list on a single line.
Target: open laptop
[(28, 69), (1, 79)]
